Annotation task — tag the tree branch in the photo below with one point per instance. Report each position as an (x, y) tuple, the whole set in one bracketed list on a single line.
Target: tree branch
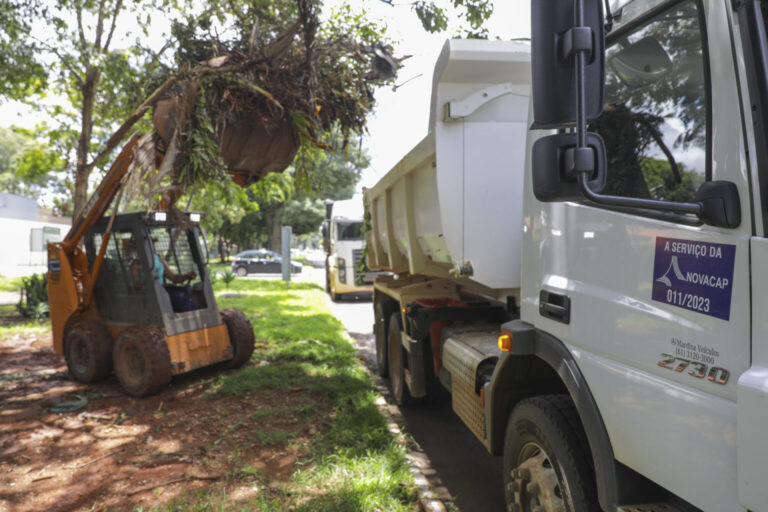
[(118, 8), (80, 30), (65, 60), (99, 27)]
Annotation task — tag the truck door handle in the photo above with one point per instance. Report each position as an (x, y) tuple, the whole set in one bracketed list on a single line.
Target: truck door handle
[(555, 306)]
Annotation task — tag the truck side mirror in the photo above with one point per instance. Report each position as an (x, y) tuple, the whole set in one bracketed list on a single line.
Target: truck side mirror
[(556, 38), (720, 204), (555, 162)]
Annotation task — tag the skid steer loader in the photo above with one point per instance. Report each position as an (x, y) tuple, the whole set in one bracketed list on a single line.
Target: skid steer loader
[(131, 293)]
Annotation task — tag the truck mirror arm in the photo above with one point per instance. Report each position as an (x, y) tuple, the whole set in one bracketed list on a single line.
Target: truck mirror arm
[(717, 202), (635, 202)]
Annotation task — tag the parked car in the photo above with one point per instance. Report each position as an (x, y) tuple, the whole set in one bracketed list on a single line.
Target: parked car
[(260, 262)]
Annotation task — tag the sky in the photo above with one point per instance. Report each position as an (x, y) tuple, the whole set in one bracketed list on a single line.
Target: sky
[(400, 117)]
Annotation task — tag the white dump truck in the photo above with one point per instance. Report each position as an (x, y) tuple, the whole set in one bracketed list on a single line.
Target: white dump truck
[(343, 243), (579, 249)]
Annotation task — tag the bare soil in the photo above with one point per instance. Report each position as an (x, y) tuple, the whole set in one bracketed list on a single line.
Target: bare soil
[(119, 452)]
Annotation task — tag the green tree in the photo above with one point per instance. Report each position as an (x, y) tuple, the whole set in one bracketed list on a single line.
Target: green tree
[(30, 167), (73, 50), (433, 15)]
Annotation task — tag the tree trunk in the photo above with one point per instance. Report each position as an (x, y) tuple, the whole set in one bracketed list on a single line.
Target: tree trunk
[(275, 219), (221, 249), (84, 168)]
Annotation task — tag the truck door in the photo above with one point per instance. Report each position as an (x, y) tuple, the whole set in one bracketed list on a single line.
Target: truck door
[(659, 303)]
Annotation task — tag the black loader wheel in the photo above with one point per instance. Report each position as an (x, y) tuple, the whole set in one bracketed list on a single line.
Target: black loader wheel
[(382, 309), (240, 336), (396, 358), (142, 360), (547, 462), (88, 350)]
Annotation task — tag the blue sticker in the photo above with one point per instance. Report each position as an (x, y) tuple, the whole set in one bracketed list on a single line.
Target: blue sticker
[(693, 275), (54, 266)]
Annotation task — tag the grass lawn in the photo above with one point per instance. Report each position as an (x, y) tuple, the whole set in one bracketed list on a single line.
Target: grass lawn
[(317, 403), (352, 462), (10, 284)]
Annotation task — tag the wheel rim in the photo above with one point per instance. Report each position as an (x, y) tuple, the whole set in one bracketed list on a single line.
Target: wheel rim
[(535, 485), (395, 364), (241, 271)]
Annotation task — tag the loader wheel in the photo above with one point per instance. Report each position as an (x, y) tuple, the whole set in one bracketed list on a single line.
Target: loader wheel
[(240, 336), (142, 360), (88, 350), (396, 358), (547, 462), (381, 311)]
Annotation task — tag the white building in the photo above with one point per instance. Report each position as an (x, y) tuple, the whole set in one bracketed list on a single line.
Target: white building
[(25, 230)]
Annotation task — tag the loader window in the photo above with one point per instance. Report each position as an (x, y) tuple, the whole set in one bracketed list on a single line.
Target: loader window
[(656, 116), (179, 258)]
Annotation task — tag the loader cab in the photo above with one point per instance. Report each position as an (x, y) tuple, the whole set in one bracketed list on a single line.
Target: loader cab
[(154, 272)]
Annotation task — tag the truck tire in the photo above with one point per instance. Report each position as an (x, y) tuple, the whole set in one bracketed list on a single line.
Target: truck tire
[(396, 357), (547, 462), (88, 350), (382, 309), (241, 337), (142, 360)]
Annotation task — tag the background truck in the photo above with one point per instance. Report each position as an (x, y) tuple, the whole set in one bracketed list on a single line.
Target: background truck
[(343, 244), (581, 261)]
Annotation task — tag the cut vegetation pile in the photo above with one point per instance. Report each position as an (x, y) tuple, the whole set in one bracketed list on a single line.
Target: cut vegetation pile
[(297, 428)]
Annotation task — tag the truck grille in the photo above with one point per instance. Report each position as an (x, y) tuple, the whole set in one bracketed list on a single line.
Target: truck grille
[(357, 255)]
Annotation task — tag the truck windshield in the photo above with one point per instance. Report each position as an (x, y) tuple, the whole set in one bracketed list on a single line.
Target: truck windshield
[(350, 231)]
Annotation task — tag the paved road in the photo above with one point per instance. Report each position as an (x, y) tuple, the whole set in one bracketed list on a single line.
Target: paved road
[(460, 466)]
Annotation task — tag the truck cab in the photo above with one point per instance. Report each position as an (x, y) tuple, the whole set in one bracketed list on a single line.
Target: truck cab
[(623, 365), (343, 243)]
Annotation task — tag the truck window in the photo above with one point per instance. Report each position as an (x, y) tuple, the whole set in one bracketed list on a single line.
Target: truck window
[(655, 120), (350, 231)]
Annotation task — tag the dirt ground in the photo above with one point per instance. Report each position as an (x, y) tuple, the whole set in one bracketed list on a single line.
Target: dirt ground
[(120, 453)]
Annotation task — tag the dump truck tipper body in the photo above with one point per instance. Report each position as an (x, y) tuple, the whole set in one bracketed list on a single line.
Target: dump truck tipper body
[(444, 209)]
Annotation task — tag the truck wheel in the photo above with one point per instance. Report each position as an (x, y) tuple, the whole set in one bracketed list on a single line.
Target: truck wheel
[(88, 350), (241, 271), (547, 462), (241, 336), (396, 358), (142, 360), (381, 312)]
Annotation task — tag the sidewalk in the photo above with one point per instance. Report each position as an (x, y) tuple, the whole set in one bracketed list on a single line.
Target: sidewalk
[(9, 298)]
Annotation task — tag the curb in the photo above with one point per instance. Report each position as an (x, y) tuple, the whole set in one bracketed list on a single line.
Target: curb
[(430, 499)]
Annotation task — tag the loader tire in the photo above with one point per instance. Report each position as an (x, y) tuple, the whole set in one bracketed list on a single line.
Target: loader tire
[(397, 356), (241, 337), (88, 350), (547, 461), (142, 360)]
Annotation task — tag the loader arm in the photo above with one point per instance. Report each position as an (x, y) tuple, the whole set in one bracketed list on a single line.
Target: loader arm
[(70, 282)]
